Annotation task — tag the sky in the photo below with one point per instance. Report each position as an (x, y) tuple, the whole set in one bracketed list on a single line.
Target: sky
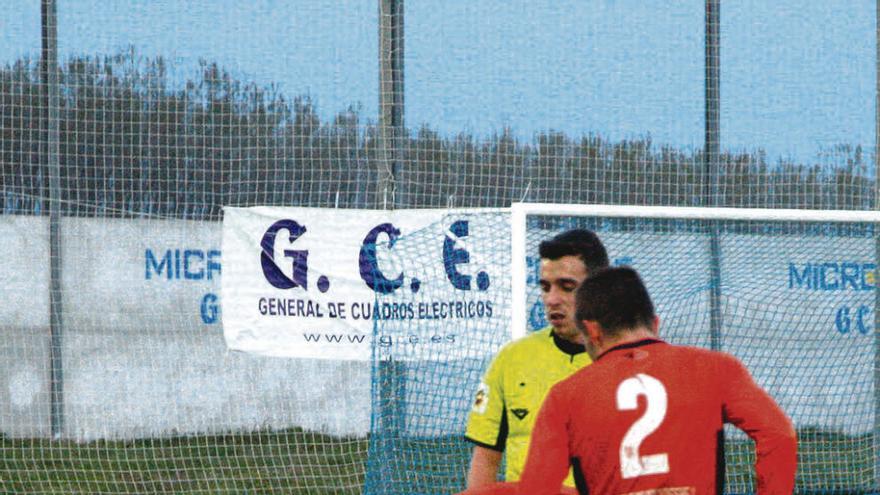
[(797, 77)]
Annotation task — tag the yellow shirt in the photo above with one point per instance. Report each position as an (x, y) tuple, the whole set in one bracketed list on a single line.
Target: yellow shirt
[(510, 395)]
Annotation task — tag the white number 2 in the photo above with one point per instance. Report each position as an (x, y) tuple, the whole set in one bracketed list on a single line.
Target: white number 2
[(631, 464)]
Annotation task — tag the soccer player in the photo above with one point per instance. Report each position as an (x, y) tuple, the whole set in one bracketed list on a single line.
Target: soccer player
[(510, 395), (647, 416)]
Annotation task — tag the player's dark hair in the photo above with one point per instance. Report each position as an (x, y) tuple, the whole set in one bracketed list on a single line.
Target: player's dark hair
[(617, 299), (576, 242)]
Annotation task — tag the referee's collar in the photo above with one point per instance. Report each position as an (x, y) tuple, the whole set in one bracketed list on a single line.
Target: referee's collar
[(567, 346)]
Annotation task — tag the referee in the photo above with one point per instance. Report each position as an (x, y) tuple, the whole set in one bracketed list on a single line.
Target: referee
[(508, 398)]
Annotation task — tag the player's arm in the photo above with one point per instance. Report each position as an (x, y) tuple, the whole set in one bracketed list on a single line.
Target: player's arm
[(549, 458), (507, 488), (484, 467), (753, 410)]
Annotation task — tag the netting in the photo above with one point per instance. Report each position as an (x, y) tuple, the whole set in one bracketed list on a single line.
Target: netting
[(125, 128), (795, 301), (421, 397), (163, 113)]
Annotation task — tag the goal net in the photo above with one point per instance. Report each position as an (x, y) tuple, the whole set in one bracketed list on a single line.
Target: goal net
[(421, 397), (790, 293)]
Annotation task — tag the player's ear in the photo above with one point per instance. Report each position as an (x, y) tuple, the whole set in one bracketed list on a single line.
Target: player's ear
[(655, 325), (592, 331)]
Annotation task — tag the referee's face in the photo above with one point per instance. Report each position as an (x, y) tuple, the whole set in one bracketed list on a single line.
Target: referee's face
[(559, 280)]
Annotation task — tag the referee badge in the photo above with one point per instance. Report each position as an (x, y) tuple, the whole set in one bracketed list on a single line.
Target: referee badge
[(481, 399)]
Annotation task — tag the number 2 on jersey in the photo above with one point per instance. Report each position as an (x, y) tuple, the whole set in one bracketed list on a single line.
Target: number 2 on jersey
[(631, 464)]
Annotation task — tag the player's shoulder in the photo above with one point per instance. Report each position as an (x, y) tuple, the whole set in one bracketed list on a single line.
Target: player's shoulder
[(582, 383), (708, 354), (701, 358)]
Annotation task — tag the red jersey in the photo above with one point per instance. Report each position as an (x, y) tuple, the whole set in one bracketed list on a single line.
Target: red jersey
[(647, 417)]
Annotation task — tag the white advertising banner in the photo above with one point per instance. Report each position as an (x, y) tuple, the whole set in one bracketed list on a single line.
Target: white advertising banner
[(324, 283), (24, 272)]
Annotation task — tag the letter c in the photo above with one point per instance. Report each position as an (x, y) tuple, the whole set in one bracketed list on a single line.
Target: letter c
[(369, 265)]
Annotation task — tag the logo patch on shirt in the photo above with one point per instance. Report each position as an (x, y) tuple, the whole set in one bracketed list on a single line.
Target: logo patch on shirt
[(481, 399), (519, 413)]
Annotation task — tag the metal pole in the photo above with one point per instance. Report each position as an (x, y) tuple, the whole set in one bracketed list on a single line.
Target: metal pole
[(712, 157), (713, 191), (390, 96), (388, 375), (49, 76), (877, 252)]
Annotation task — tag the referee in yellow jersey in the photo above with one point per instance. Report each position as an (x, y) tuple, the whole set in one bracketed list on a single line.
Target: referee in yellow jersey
[(519, 377)]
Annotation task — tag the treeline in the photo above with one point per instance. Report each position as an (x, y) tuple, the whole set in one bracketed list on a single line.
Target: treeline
[(135, 143)]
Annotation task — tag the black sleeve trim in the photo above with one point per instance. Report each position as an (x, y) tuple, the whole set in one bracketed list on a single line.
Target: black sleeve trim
[(484, 445), (501, 441), (720, 463), (580, 482)]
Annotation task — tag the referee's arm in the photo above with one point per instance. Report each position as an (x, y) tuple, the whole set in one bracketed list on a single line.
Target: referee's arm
[(487, 427), (484, 467)]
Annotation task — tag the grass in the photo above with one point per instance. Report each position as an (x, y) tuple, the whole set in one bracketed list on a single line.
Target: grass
[(298, 462), (290, 462)]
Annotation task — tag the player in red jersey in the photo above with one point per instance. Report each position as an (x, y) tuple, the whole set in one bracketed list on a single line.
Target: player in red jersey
[(646, 418)]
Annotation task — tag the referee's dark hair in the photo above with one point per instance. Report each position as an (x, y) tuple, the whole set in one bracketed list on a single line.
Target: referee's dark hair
[(615, 298), (576, 242)]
